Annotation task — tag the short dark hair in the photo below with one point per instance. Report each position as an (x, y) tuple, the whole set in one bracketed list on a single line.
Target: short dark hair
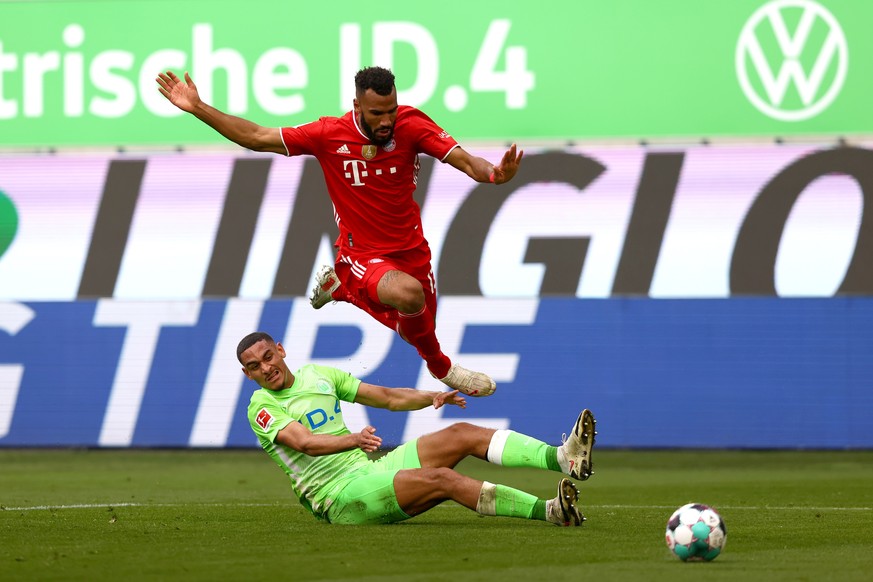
[(250, 340), (378, 79)]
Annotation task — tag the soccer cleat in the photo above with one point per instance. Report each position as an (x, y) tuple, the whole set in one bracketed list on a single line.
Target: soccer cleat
[(562, 509), (577, 447), (326, 282), (469, 382)]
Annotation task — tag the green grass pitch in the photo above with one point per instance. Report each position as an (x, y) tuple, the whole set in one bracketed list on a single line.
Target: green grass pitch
[(230, 515)]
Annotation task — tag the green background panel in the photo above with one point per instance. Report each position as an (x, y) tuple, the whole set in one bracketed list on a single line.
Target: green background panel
[(619, 69)]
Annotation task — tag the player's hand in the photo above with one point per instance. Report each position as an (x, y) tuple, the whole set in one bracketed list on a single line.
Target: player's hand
[(508, 166), (183, 95), (451, 397), (367, 439)]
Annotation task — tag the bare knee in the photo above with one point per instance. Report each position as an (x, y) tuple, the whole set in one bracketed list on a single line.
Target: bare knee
[(442, 481), (470, 439), (401, 291), (418, 490), (410, 296), (464, 431)]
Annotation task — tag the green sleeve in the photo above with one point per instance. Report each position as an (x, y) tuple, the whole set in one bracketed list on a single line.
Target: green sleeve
[(266, 417), (346, 385)]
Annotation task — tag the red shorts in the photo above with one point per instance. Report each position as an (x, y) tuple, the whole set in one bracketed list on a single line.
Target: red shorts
[(360, 276)]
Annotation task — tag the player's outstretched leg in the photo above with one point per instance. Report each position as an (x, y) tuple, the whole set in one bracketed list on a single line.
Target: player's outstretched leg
[(326, 282), (575, 453), (563, 509), (469, 382)]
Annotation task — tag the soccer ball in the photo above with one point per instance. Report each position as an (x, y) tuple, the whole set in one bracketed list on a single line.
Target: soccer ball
[(696, 532)]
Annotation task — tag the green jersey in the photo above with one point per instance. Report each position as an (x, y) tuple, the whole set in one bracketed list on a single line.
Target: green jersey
[(314, 401)]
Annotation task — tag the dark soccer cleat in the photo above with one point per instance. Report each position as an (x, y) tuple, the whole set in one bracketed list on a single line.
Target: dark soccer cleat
[(562, 509), (578, 446)]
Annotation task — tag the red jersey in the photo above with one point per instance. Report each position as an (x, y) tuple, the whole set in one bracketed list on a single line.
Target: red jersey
[(371, 186)]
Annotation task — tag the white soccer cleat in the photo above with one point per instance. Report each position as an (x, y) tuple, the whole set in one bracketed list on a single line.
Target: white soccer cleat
[(469, 382), (326, 282), (577, 447), (562, 509)]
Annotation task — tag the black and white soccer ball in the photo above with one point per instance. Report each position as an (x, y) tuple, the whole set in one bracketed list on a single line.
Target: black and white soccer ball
[(696, 532)]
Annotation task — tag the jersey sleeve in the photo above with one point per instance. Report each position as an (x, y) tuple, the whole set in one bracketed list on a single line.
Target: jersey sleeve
[(433, 140), (345, 384), (302, 139), (266, 417)]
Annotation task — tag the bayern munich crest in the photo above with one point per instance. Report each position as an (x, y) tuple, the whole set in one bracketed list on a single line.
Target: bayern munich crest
[(389, 147)]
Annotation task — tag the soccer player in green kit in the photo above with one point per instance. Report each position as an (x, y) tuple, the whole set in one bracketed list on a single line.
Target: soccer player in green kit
[(298, 421)]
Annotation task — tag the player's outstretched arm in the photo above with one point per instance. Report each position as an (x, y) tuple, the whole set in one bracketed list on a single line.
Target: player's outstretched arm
[(482, 170), (301, 439), (406, 398), (184, 95)]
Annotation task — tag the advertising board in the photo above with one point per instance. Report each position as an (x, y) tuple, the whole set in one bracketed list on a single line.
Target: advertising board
[(76, 73)]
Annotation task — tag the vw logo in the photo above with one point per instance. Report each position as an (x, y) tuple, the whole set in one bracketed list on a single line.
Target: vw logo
[(812, 59)]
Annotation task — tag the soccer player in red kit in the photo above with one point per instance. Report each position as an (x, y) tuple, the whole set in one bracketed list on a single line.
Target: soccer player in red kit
[(369, 157)]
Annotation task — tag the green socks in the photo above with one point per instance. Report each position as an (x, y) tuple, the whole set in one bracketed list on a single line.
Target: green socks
[(508, 502), (512, 449)]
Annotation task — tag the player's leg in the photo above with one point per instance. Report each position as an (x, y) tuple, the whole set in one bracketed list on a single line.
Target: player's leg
[(419, 485), (395, 487), (572, 458), (415, 322), (413, 295), (412, 290), (403, 302), (446, 448), (418, 490), (338, 283), (353, 281)]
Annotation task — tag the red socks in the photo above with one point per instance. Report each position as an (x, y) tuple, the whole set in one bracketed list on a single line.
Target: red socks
[(419, 330)]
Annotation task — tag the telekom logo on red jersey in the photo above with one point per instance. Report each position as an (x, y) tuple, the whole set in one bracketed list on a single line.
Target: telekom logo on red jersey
[(356, 170)]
